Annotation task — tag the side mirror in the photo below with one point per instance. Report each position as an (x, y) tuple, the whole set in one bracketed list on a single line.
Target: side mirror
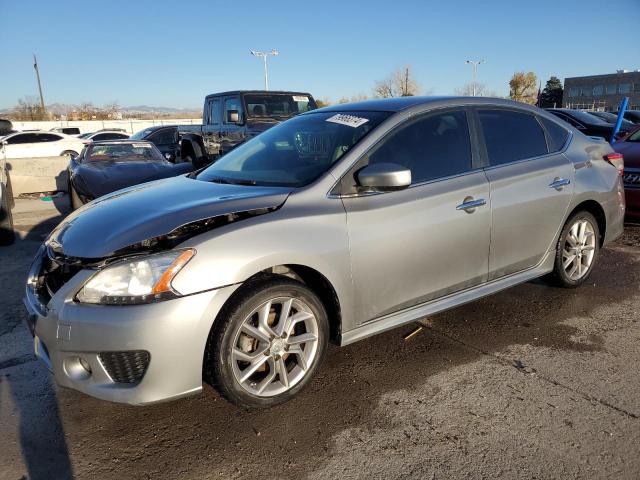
[(384, 176), (233, 116), (170, 157)]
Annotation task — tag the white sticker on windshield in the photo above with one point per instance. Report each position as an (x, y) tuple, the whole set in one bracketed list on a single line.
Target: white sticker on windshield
[(348, 120), (141, 145), (298, 98)]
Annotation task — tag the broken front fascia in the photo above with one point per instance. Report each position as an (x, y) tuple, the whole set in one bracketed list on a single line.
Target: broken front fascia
[(163, 242)]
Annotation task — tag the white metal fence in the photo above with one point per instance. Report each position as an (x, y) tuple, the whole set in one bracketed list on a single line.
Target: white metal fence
[(131, 126)]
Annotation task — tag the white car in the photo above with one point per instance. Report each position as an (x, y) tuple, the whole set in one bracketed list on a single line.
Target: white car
[(104, 135), (41, 144)]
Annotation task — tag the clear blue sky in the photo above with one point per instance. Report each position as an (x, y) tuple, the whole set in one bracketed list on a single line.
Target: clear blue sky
[(173, 53)]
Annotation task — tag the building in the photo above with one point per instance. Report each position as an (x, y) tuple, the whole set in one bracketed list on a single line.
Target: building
[(603, 92)]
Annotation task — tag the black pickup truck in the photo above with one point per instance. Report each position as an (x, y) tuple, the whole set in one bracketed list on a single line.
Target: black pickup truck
[(230, 118)]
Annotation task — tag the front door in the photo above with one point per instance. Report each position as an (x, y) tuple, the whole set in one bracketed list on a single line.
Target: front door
[(424, 242), (232, 134), (531, 188)]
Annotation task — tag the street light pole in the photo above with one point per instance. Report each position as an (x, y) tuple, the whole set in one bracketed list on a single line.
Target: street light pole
[(35, 66), (474, 64), (264, 55)]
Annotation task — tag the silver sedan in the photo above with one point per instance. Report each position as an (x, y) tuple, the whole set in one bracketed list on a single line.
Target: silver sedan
[(332, 226)]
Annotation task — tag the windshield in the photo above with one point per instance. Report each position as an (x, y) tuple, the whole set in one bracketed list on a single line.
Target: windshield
[(634, 137), (141, 134), (295, 152), (270, 105), (586, 117), (119, 152), (85, 135)]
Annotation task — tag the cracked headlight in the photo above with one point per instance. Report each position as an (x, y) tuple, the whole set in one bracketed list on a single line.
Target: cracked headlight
[(136, 280)]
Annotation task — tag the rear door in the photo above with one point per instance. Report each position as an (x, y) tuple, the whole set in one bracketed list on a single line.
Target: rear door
[(166, 139), (531, 187), (421, 243)]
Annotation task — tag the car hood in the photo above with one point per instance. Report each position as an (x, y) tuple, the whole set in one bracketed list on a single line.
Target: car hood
[(133, 215), (630, 151)]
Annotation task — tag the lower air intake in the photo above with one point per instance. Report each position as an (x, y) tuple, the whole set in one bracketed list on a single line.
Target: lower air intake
[(125, 367)]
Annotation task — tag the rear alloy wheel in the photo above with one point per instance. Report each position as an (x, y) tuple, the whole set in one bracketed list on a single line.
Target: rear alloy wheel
[(269, 344), (577, 250)]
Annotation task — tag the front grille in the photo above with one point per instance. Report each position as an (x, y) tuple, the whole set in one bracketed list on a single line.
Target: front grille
[(125, 367)]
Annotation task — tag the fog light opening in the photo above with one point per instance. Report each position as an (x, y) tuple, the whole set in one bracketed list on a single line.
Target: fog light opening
[(77, 368)]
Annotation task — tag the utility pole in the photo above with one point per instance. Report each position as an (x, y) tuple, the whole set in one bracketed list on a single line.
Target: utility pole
[(35, 66), (264, 55), (474, 64)]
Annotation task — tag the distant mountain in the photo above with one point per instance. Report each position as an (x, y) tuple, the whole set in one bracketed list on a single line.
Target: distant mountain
[(66, 108)]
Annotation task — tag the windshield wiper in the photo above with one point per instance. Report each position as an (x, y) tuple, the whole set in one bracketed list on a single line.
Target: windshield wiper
[(233, 181)]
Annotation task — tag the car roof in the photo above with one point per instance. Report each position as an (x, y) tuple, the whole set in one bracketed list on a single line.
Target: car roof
[(398, 104), (268, 92)]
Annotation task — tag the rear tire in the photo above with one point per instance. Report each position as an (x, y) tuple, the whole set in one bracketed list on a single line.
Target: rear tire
[(577, 251), (250, 359)]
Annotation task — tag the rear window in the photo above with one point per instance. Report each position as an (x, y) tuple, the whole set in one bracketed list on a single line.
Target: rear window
[(511, 136), (557, 134), (277, 105)]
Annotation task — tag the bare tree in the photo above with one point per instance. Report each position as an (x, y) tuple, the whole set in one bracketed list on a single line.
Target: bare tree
[(28, 108), (481, 90), (523, 87), (400, 83)]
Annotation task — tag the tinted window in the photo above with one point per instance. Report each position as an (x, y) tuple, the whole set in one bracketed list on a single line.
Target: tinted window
[(511, 136), (142, 134), (232, 103), (432, 147), (557, 134), (24, 138), (109, 136), (598, 90), (214, 111), (163, 137), (48, 137), (611, 89)]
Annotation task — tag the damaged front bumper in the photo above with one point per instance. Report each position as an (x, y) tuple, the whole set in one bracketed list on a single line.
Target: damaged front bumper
[(136, 354)]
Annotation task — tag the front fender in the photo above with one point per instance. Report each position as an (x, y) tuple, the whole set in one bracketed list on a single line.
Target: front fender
[(233, 253)]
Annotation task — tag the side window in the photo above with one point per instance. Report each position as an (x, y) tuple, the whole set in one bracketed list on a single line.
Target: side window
[(47, 137), (511, 136), (433, 146), (101, 136), (231, 103), (24, 138), (557, 134), (213, 113), (166, 136)]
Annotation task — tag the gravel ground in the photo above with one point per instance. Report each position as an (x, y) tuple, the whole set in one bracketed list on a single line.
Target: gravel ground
[(534, 382)]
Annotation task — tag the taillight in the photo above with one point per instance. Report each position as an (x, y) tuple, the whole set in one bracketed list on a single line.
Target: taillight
[(617, 160)]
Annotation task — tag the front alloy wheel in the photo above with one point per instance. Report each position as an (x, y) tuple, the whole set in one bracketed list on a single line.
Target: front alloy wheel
[(267, 342)]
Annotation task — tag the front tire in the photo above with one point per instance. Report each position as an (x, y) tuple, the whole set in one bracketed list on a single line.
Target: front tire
[(267, 342), (577, 251)]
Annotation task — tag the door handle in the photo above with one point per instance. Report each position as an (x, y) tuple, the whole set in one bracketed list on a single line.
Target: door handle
[(469, 204), (558, 183)]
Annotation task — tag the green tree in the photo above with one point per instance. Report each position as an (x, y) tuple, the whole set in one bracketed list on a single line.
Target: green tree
[(551, 96), (523, 87)]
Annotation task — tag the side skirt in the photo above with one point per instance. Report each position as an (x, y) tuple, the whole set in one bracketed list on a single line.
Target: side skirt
[(408, 315)]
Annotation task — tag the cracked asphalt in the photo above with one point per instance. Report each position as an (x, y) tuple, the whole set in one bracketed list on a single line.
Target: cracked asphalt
[(533, 382)]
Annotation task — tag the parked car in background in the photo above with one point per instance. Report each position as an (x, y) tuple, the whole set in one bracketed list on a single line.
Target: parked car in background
[(632, 115), (66, 130), (334, 225), (106, 166), (104, 135), (165, 137), (612, 118), (41, 144), (231, 118), (587, 123), (7, 233), (629, 147)]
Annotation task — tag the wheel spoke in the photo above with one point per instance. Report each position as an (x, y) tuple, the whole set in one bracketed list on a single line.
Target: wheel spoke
[(572, 240), (266, 381), (569, 260), (251, 369), (588, 248), (242, 356), (293, 320), (282, 372), (263, 319), (581, 229), (254, 332), (302, 338), (299, 353), (284, 316), (579, 267), (573, 270)]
